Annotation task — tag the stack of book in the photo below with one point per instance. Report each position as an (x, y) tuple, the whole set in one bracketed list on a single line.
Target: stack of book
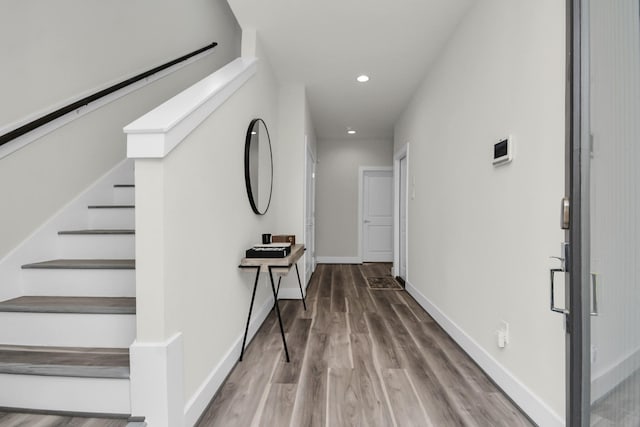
[(270, 250)]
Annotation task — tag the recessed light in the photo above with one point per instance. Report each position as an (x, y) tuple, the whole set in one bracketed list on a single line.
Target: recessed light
[(351, 132), (363, 78)]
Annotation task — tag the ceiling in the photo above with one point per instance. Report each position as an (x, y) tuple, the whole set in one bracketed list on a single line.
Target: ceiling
[(325, 45)]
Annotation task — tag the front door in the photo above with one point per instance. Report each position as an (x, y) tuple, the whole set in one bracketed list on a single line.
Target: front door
[(604, 313)]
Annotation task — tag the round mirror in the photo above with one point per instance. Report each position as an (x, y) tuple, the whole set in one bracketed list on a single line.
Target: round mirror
[(258, 166)]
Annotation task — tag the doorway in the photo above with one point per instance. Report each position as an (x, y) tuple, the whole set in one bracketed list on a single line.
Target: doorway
[(400, 205), (604, 300), (376, 214), (309, 211)]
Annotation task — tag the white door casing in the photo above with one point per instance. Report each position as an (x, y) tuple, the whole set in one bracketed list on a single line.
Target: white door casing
[(400, 208), (376, 222), (309, 216), (402, 253)]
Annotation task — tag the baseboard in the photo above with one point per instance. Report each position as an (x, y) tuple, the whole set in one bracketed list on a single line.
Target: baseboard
[(609, 378), (529, 402), (338, 260), (201, 398), (289, 293)]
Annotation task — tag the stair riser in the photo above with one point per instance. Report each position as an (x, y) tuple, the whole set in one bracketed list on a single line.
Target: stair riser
[(92, 395), (67, 330), (112, 218), (124, 196), (102, 246), (89, 283)]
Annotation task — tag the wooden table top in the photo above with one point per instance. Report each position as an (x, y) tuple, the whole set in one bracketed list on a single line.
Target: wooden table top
[(282, 264)]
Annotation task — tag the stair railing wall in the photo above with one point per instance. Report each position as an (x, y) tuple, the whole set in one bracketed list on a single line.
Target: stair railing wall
[(192, 222), (70, 55)]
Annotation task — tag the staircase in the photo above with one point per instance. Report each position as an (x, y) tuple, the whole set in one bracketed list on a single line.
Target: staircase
[(64, 344)]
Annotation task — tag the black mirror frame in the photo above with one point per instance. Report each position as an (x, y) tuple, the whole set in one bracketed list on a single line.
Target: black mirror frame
[(247, 177)]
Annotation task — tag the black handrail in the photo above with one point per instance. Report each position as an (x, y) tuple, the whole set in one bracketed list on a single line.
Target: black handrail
[(24, 129)]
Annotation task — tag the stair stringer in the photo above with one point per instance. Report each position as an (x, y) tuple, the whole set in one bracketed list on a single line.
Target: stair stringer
[(44, 242)]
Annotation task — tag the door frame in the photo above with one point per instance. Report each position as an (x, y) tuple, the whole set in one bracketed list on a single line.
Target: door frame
[(361, 172), (310, 249), (578, 368), (401, 153)]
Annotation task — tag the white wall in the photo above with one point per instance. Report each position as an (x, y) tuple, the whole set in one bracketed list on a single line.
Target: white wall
[(294, 124), (480, 237), (337, 191), (195, 223), (55, 51)]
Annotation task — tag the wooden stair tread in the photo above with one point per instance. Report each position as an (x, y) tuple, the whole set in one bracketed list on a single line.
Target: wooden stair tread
[(111, 206), (91, 232), (93, 264), (65, 361), (81, 305)]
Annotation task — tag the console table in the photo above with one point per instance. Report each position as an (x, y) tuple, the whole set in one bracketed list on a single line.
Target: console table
[(281, 267)]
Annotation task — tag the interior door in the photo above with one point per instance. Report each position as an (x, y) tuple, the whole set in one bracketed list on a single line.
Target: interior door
[(402, 214), (605, 364), (377, 216)]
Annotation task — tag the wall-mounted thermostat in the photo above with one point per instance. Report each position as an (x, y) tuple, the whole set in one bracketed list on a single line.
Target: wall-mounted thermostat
[(503, 151)]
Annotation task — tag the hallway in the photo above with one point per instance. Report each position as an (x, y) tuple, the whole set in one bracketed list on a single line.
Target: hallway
[(359, 356)]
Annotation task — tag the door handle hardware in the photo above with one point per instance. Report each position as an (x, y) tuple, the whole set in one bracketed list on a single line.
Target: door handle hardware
[(564, 220), (594, 293), (553, 307)]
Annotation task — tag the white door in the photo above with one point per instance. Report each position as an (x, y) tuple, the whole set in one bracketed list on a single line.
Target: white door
[(309, 221), (377, 216), (402, 215)]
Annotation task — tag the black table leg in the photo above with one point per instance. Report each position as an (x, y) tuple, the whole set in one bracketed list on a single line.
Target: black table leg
[(275, 296), (253, 297), (304, 304), (277, 292)]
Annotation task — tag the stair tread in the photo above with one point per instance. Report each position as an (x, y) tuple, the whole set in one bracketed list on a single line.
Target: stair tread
[(65, 361), (111, 206), (84, 305), (106, 264), (100, 231)]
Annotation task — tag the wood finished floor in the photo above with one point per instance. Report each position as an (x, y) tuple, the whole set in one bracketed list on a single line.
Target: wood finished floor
[(359, 357)]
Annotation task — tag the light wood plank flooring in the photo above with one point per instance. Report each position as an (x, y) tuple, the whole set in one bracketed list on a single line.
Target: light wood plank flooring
[(359, 357)]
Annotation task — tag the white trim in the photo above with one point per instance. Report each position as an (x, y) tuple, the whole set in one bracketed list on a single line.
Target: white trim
[(361, 172), (310, 242), (38, 133), (291, 293), (609, 378), (528, 401), (159, 131), (199, 401), (157, 383), (339, 260), (59, 393), (402, 153)]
